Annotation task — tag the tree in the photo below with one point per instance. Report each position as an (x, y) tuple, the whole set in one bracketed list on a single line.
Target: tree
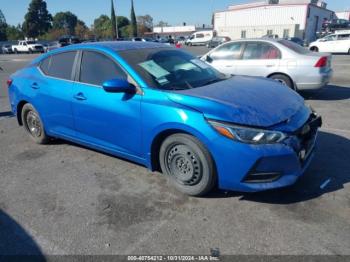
[(113, 23), (162, 24), (81, 30), (14, 32), (133, 20), (145, 24), (65, 20), (102, 27), (38, 20), (123, 25), (3, 27)]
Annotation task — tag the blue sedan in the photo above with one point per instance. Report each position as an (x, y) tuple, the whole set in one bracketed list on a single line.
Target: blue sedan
[(164, 108)]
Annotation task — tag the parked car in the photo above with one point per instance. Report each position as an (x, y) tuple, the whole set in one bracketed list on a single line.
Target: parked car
[(68, 40), (216, 41), (51, 46), (164, 41), (273, 36), (282, 60), (200, 38), (180, 40), (6, 49), (335, 24), (168, 110), (339, 42), (28, 47), (296, 40)]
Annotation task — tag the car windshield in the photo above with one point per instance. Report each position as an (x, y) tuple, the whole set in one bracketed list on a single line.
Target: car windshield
[(295, 47), (171, 69)]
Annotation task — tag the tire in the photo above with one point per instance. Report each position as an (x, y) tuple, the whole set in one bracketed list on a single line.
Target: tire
[(349, 52), (188, 164), (284, 80), (30, 51), (16, 52), (314, 49), (33, 125)]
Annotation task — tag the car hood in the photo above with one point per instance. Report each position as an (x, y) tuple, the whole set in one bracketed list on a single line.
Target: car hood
[(243, 100)]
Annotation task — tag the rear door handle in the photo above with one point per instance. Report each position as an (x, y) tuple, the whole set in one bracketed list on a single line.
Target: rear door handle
[(35, 85), (80, 97), (270, 65)]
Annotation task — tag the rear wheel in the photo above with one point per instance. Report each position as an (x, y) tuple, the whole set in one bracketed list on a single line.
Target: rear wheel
[(33, 125), (16, 51), (188, 164), (284, 80)]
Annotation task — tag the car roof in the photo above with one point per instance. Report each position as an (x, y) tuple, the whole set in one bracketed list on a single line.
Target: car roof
[(119, 45)]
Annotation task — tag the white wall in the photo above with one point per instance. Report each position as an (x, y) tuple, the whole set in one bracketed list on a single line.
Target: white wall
[(343, 15), (257, 20)]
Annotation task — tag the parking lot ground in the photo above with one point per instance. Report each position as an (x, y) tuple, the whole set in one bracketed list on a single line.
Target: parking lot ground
[(66, 199)]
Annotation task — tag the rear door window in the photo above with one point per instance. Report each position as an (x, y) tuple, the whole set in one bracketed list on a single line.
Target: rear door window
[(59, 65), (344, 37), (97, 68)]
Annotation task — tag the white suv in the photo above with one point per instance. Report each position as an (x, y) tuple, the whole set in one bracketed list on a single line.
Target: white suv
[(339, 42)]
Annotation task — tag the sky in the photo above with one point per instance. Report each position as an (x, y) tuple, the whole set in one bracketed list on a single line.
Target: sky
[(175, 12)]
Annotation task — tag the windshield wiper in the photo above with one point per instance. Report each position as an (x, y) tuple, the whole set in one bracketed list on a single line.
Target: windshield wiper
[(213, 81)]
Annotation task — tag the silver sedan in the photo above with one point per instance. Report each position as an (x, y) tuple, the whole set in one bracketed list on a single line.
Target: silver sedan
[(278, 59)]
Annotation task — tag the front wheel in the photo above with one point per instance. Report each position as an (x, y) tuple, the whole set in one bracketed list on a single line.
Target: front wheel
[(314, 49), (188, 164), (33, 125)]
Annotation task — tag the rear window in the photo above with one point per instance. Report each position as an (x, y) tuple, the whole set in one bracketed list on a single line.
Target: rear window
[(45, 65), (295, 47)]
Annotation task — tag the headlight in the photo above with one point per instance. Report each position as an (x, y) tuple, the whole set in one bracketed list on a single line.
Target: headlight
[(247, 134)]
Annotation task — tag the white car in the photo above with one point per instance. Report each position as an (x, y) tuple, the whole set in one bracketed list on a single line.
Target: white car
[(339, 42), (28, 47), (200, 38)]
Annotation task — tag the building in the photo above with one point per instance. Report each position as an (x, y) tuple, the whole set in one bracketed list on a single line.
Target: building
[(285, 18), (175, 31), (343, 15)]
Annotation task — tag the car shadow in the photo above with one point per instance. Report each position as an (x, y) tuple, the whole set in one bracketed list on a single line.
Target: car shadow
[(6, 114), (328, 172), (328, 93), (15, 243)]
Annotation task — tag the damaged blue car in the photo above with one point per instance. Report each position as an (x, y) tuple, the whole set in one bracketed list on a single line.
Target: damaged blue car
[(164, 108)]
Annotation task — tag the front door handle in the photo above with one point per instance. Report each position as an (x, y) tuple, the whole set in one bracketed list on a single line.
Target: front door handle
[(80, 97), (35, 85)]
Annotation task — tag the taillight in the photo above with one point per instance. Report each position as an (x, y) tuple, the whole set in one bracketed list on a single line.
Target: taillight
[(9, 82), (322, 62)]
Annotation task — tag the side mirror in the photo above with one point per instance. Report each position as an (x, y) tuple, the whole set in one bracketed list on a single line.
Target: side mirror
[(208, 59), (119, 85)]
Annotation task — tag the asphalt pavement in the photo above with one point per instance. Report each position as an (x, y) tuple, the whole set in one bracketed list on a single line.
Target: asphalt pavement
[(66, 199)]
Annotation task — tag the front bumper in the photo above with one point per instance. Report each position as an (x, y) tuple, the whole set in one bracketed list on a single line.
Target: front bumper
[(253, 168)]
